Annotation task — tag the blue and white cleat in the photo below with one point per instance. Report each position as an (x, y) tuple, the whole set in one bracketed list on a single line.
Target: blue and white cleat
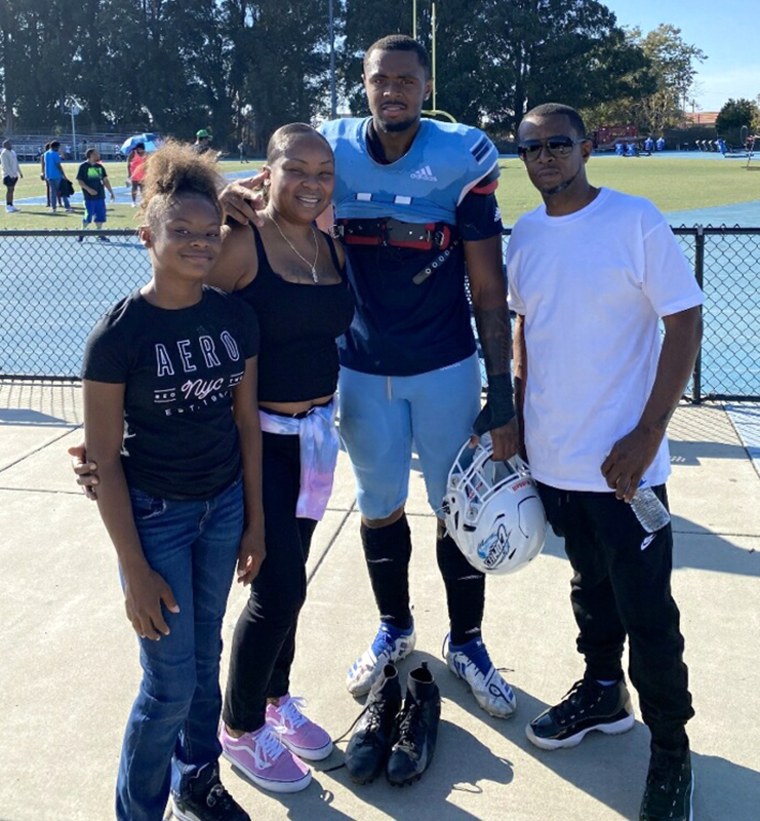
[(389, 646), (472, 663)]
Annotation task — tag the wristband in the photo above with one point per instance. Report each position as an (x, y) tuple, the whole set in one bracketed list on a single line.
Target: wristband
[(499, 408)]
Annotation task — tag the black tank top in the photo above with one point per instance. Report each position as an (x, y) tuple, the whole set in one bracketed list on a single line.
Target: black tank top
[(298, 357)]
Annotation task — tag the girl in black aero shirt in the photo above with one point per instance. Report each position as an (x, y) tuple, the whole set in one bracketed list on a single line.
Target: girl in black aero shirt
[(171, 419)]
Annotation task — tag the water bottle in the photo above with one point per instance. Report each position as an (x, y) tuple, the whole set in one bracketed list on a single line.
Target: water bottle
[(650, 511)]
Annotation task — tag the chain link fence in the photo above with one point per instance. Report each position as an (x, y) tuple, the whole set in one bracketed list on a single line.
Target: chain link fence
[(53, 289)]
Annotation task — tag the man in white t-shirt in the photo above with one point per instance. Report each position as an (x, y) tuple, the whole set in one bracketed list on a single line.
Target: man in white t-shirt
[(11, 174), (592, 273)]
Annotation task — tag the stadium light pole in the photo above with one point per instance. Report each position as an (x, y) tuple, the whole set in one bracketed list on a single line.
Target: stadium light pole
[(74, 110), (333, 92)]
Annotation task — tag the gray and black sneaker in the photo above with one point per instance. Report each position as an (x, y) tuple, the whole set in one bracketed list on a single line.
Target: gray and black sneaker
[(587, 706), (669, 789), (203, 798)]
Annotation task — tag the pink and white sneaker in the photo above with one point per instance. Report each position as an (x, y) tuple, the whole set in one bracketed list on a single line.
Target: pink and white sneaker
[(262, 757), (297, 732)]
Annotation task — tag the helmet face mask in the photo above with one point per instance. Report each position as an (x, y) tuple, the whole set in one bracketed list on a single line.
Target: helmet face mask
[(493, 511)]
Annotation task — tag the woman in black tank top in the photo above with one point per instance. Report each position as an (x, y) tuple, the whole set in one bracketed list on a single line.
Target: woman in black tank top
[(293, 276)]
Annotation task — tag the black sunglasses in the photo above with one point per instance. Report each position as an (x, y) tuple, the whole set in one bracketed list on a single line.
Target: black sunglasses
[(559, 146)]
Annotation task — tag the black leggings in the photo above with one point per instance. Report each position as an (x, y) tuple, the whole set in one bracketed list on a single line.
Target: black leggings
[(264, 642), (621, 587)]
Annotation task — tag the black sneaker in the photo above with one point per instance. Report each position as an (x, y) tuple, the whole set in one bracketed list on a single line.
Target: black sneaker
[(80, 238), (670, 787), (586, 706), (417, 729), (104, 239), (205, 799), (370, 745)]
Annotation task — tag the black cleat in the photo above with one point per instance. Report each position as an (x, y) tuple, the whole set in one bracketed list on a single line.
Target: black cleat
[(416, 729), (370, 744), (587, 706)]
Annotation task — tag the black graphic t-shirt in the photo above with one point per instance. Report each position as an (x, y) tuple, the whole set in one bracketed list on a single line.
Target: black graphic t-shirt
[(178, 366), (92, 175)]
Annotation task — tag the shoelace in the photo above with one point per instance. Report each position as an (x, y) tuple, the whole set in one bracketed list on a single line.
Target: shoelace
[(383, 643), (291, 714), (267, 748), (409, 728), (372, 709), (374, 716), (572, 699)]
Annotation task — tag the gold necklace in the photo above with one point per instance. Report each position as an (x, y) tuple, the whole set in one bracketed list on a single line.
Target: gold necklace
[(311, 265)]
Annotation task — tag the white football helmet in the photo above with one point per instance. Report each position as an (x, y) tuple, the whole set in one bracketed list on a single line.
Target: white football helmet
[(493, 510)]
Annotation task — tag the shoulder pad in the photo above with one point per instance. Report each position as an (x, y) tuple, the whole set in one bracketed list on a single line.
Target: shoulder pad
[(488, 184)]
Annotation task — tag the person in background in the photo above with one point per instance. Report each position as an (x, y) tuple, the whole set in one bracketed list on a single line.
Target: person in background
[(169, 388), (54, 173), (202, 142), (242, 151), (11, 174), (136, 170), (43, 150), (591, 274), (93, 180)]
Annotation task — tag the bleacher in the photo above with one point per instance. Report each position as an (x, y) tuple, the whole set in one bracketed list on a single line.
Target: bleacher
[(28, 147)]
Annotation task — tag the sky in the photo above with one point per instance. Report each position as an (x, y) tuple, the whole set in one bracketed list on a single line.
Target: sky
[(725, 30)]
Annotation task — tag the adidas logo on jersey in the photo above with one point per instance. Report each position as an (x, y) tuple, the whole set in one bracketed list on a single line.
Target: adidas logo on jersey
[(425, 174)]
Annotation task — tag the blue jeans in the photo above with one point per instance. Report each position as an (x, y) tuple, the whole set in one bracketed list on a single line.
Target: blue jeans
[(53, 186), (172, 729)]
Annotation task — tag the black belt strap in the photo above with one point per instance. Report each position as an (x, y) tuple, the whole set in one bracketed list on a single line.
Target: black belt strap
[(432, 267)]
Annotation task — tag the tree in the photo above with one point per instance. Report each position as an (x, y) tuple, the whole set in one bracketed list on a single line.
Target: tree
[(673, 64), (365, 23), (506, 57), (553, 50), (39, 39), (734, 115), (278, 62)]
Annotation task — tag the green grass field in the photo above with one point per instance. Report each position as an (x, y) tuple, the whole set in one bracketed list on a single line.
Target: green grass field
[(672, 184)]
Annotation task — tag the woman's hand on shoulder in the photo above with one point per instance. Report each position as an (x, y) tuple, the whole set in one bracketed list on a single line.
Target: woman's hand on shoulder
[(243, 199)]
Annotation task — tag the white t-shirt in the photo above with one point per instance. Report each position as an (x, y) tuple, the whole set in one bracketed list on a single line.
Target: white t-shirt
[(592, 286), (9, 163)]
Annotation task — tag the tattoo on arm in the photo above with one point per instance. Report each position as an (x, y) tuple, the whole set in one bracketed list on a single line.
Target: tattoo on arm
[(495, 338)]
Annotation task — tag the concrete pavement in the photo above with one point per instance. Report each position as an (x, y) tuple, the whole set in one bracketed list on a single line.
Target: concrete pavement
[(69, 670)]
